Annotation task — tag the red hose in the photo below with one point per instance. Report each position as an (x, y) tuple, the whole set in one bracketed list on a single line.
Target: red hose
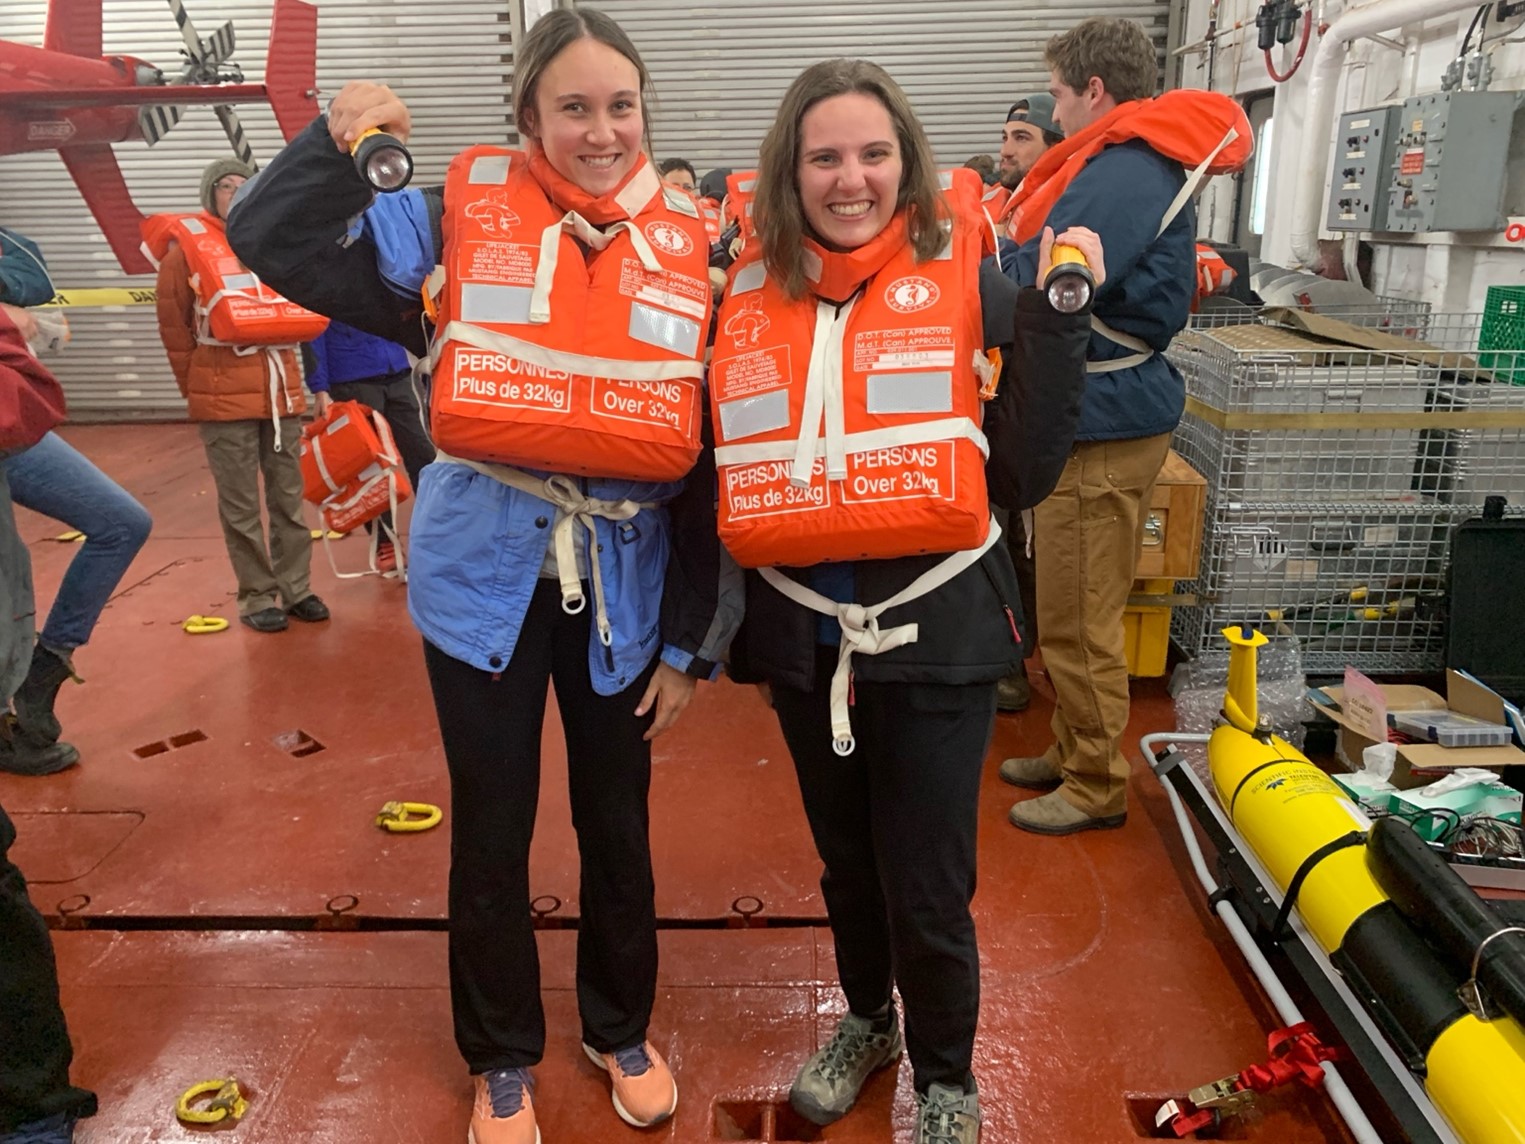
[(1302, 50)]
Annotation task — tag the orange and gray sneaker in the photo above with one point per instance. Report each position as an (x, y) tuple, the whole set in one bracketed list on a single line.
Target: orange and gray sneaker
[(644, 1090), (504, 1112)]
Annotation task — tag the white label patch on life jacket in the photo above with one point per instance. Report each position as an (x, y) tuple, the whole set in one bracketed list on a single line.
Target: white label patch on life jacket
[(914, 347), (488, 169), (669, 289), (485, 377), (660, 328), (910, 392), (485, 302), (645, 402), (759, 413), (749, 278)]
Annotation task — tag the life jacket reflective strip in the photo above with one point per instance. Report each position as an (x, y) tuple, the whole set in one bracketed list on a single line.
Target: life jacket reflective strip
[(559, 345), (233, 307), (353, 472), (852, 431)]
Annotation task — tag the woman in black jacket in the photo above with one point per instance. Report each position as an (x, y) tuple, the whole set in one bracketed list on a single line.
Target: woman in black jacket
[(845, 170)]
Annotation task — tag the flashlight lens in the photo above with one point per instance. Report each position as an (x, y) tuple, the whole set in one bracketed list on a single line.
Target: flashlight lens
[(388, 168), (1069, 293)]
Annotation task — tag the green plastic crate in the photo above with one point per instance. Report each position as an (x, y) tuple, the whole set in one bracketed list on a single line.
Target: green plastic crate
[(1504, 330)]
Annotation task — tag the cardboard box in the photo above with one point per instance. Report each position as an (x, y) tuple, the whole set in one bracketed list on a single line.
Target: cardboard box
[(1420, 764)]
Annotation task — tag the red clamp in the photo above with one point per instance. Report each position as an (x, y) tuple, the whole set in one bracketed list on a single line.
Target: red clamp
[(1295, 1054)]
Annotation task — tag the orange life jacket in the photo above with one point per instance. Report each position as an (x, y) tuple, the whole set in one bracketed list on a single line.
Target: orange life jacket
[(713, 223), (1204, 131), (559, 345), (233, 306), (1214, 274), (353, 472), (852, 431)]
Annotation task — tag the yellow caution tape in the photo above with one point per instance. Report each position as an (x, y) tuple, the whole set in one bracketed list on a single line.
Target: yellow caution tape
[(204, 625), (73, 536), (394, 817), (105, 296), (227, 1101)]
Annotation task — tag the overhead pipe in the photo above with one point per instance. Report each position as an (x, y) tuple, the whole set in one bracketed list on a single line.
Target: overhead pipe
[(1353, 24)]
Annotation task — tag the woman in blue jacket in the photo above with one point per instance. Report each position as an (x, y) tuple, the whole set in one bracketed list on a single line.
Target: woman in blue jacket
[(483, 590)]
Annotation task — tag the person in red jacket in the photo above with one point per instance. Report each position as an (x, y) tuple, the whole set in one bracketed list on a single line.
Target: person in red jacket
[(249, 427), (38, 1105)]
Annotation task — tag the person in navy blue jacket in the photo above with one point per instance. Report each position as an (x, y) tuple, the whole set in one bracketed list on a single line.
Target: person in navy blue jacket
[(483, 591), (346, 364), (1087, 532)]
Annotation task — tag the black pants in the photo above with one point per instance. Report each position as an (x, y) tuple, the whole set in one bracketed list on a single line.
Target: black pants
[(894, 823), (34, 1042), (490, 724), (394, 399)]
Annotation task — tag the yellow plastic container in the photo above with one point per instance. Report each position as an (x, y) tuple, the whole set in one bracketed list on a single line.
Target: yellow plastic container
[(1146, 630)]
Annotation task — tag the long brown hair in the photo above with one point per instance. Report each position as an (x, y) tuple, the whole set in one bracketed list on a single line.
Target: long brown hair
[(777, 211), (552, 34)]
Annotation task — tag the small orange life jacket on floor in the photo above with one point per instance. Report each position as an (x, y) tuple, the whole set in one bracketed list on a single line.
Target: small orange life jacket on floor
[(850, 430), (233, 307), (353, 472), (559, 345)]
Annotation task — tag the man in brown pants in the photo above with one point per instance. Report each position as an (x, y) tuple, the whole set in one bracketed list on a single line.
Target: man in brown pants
[(1087, 533), (248, 400)]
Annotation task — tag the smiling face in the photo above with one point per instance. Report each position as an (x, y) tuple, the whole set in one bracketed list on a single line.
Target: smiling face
[(849, 169), (588, 115)]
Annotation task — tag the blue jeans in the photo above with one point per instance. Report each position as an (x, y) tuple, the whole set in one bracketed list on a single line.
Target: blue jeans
[(55, 479)]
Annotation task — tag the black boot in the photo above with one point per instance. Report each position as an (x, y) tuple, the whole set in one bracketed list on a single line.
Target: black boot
[(36, 723), (20, 757)]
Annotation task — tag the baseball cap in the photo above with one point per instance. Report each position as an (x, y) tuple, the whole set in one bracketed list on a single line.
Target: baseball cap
[(1037, 110)]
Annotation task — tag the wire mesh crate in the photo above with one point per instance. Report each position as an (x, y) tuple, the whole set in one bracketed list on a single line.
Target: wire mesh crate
[(1334, 474)]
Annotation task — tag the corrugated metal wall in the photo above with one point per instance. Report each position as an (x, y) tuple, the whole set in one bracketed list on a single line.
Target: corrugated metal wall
[(451, 60), (719, 69)]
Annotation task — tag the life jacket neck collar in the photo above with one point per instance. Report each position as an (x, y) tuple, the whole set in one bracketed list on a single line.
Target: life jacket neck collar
[(625, 201), (838, 274)]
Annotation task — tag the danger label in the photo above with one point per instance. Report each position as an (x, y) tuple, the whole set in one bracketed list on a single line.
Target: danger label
[(764, 489), (503, 262), (677, 292), (1412, 162), (482, 377), (663, 403), (901, 472), (751, 372), (919, 347)]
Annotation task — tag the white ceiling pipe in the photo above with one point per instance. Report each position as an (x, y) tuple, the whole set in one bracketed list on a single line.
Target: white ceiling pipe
[(1318, 122)]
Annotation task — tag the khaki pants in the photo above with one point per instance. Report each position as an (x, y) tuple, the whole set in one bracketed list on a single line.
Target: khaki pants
[(1087, 536), (238, 452)]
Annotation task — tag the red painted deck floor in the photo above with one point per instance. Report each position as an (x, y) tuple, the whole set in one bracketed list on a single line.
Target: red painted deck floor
[(232, 780)]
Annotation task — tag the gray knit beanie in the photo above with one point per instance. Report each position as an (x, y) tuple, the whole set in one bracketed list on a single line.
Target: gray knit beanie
[(216, 170)]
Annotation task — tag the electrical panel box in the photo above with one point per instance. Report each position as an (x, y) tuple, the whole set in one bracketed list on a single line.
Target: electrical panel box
[(1363, 161), (1449, 161)]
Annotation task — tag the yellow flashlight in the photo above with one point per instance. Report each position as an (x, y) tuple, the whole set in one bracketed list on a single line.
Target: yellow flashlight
[(1069, 281), (382, 160)]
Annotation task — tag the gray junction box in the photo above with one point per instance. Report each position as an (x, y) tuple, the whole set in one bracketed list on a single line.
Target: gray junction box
[(1449, 160), (1363, 161)]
